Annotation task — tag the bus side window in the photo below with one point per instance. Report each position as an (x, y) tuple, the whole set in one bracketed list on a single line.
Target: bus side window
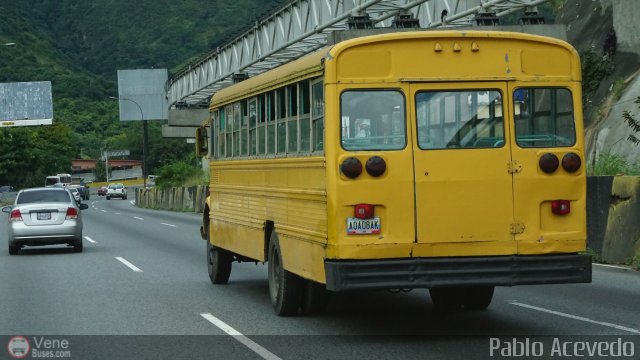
[(253, 132), (262, 125), (228, 110), (317, 115), (281, 127), (305, 110), (292, 124), (271, 126)]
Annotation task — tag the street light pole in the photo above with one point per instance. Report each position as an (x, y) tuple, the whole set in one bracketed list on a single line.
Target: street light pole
[(145, 139)]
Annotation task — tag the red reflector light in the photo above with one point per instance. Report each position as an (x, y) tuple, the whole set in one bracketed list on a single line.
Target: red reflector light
[(548, 163), (561, 207), (364, 211), (72, 213), (351, 167), (571, 162), (15, 215)]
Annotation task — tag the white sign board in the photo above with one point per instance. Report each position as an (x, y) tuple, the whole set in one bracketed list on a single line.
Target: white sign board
[(26, 104), (142, 94)]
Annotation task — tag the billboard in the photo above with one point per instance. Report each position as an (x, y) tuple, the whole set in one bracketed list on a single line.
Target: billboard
[(26, 104), (142, 94)]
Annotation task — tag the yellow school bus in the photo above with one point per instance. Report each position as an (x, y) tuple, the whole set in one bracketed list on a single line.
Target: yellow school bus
[(447, 160)]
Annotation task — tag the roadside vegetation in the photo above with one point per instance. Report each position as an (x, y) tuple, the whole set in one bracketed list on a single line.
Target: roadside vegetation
[(79, 46), (612, 164)]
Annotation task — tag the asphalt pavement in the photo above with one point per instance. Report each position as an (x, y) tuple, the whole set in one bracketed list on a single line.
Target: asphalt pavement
[(140, 290)]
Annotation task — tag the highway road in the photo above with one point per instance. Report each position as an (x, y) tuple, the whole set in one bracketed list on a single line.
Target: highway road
[(143, 272)]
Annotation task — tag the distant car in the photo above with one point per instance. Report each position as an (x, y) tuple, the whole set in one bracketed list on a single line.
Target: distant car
[(76, 194), (83, 190), (116, 190), (102, 191), (6, 188), (44, 216)]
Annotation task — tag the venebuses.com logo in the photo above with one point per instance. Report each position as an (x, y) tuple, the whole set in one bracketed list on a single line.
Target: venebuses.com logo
[(18, 347)]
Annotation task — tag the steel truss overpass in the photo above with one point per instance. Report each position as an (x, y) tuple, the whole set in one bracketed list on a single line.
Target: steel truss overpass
[(302, 26)]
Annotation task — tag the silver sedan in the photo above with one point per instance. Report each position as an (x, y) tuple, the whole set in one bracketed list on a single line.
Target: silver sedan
[(44, 216)]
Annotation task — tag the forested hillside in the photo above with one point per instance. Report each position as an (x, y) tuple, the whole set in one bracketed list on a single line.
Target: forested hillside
[(79, 46)]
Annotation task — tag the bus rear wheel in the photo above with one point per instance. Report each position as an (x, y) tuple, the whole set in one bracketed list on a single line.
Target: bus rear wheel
[(315, 298), (218, 264), (448, 299), (478, 298), (285, 288), (471, 298)]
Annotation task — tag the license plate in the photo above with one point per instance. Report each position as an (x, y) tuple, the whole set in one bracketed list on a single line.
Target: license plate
[(44, 216), (357, 226)]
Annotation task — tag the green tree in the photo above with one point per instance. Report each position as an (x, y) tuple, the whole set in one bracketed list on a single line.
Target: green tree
[(176, 174), (30, 154)]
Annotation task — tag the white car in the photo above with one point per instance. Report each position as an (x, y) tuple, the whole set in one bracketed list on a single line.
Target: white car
[(76, 194), (44, 216), (116, 190)]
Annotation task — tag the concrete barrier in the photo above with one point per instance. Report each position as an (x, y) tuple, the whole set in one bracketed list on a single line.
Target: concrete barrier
[(176, 199), (613, 212), (622, 235)]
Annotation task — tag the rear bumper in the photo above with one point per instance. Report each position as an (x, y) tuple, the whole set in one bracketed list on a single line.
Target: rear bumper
[(457, 271)]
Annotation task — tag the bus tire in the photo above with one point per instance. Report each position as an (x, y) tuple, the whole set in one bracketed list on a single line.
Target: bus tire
[(285, 288), (218, 264), (448, 299), (315, 298), (478, 298)]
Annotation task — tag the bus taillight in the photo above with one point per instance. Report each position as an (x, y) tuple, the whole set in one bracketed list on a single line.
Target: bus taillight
[(548, 163), (376, 166), (351, 167), (561, 207), (364, 211), (571, 162)]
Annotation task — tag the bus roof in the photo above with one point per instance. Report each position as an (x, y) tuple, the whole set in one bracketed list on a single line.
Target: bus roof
[(308, 66), (312, 65)]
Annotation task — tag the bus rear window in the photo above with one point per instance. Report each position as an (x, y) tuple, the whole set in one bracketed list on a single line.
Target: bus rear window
[(459, 119), (544, 117), (373, 120)]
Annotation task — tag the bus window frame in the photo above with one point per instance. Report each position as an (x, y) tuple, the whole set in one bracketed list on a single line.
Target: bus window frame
[(531, 107), (399, 90), (499, 90), (313, 117)]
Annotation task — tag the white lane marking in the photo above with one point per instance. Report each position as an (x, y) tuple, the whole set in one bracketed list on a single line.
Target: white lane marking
[(139, 218), (612, 266), (264, 353), (103, 210), (117, 213), (574, 317), (128, 264), (133, 202), (90, 240), (167, 224)]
